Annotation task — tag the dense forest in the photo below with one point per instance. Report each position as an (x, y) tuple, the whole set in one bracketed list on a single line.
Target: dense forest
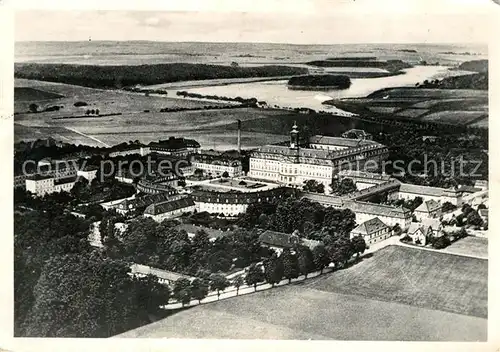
[(320, 81), (474, 66), (389, 65), (64, 288), (473, 81), (123, 76)]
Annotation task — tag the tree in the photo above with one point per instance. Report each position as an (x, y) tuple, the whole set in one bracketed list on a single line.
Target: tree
[(290, 265), (238, 281), (97, 111), (182, 291), (359, 245), (88, 295), (396, 230), (320, 257), (199, 289), (447, 207), (200, 248), (87, 112), (219, 283), (225, 174), (305, 260), (33, 107), (441, 242), (151, 294), (273, 270), (313, 186), (254, 276), (345, 186), (473, 218)]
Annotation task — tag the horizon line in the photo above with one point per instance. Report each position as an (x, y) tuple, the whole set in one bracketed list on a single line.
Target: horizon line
[(245, 42)]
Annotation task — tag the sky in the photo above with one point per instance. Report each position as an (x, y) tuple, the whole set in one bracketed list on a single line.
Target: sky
[(276, 21)]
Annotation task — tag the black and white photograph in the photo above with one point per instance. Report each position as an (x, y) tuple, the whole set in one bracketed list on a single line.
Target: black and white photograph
[(307, 174)]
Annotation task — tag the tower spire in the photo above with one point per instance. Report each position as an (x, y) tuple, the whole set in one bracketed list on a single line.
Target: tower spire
[(294, 136)]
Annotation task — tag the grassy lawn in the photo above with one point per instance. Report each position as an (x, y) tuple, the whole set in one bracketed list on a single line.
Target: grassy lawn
[(398, 294), (415, 277), (297, 312), (470, 246)]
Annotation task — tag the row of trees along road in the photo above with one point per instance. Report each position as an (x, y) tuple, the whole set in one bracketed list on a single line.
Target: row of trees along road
[(290, 264)]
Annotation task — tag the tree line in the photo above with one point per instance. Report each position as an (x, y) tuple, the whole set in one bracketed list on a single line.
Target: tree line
[(131, 75)]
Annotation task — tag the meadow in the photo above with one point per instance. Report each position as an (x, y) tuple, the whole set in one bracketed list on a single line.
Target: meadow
[(470, 245), (211, 127), (466, 107), (418, 278), (375, 299)]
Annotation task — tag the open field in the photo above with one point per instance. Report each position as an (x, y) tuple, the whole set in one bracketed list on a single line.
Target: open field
[(32, 94), (296, 312), (209, 127), (385, 297), (383, 109), (480, 124), (107, 101), (415, 277), (316, 309), (470, 246), (412, 113), (429, 93), (464, 117), (450, 106)]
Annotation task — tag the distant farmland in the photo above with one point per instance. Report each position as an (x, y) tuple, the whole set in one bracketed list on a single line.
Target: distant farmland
[(140, 118), (32, 94), (450, 106)]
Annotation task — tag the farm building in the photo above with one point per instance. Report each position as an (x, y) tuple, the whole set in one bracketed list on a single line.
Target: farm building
[(372, 231)]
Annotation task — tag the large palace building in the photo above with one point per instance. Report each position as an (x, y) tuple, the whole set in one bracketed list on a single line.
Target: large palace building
[(320, 160)]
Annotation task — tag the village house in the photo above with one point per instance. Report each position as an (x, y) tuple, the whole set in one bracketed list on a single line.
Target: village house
[(428, 209), (278, 241), (372, 231), (421, 232), (481, 184), (357, 134), (164, 277)]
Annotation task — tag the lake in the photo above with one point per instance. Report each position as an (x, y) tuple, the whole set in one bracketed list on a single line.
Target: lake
[(277, 93)]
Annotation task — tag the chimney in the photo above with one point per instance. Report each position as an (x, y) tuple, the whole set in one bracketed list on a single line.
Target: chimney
[(239, 136)]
